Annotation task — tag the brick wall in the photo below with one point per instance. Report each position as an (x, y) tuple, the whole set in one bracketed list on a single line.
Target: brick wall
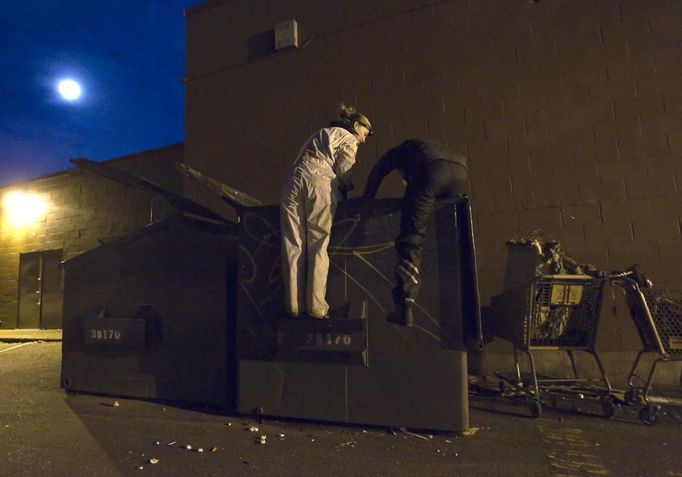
[(82, 208), (570, 111)]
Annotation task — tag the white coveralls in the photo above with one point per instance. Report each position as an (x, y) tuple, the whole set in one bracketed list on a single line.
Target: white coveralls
[(307, 210)]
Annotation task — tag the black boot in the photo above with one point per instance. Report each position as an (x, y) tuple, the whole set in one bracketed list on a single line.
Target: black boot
[(407, 316), (402, 315)]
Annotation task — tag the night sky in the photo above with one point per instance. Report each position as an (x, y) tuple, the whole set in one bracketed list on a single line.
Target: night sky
[(127, 55)]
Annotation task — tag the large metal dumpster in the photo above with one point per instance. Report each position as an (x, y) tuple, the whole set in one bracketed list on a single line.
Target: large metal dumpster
[(187, 309), (150, 314), (358, 367)]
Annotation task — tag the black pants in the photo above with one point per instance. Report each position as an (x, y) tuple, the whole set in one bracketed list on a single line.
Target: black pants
[(439, 180)]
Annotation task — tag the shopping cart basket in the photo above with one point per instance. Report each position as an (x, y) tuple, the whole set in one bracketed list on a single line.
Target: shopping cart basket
[(658, 318), (554, 313)]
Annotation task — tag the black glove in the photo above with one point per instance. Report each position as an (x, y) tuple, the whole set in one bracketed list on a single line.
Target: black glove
[(354, 201)]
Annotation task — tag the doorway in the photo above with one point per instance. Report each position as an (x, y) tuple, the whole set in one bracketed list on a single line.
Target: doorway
[(41, 290)]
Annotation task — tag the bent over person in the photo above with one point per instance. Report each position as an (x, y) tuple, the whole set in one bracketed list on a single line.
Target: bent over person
[(319, 175), (430, 171)]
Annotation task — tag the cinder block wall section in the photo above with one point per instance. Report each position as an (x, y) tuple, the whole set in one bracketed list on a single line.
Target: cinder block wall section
[(81, 208), (570, 111)]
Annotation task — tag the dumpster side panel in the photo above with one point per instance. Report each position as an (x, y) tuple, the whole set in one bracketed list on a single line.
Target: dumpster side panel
[(403, 377), (170, 291)]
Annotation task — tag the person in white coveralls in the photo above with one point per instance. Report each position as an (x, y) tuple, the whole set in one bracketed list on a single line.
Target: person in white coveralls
[(319, 177)]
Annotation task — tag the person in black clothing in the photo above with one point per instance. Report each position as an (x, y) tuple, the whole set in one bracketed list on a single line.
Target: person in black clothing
[(430, 171)]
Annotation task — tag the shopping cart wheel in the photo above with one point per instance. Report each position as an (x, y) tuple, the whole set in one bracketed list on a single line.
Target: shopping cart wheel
[(535, 408), (648, 415), (633, 397), (608, 407)]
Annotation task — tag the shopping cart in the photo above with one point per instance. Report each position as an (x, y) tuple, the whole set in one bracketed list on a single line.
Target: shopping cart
[(553, 313), (658, 318)]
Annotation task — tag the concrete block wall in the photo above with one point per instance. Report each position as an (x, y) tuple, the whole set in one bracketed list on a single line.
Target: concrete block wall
[(570, 112), (82, 209)]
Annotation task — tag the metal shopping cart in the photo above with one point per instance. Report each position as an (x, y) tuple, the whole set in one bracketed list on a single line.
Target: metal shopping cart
[(658, 317), (553, 313)]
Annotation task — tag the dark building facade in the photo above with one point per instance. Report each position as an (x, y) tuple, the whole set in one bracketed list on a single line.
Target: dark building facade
[(54, 218), (570, 113)]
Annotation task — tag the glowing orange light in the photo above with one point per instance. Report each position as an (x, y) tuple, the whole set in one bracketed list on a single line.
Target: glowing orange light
[(22, 209)]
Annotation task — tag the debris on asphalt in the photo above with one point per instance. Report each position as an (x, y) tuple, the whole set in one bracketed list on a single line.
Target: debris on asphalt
[(281, 436), (153, 460), (346, 444), (214, 449), (172, 443), (140, 467), (115, 404), (414, 434), (471, 431)]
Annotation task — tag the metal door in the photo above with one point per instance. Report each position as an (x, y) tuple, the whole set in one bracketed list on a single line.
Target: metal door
[(40, 290)]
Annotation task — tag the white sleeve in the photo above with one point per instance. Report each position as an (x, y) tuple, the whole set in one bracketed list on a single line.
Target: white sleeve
[(345, 158)]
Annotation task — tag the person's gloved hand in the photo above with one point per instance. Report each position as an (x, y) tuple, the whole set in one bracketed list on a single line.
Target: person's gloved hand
[(346, 186), (354, 201)]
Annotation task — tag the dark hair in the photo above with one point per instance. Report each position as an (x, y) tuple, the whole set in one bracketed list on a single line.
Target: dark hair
[(349, 115)]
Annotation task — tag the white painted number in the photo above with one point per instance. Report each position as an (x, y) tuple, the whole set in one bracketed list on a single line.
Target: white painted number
[(321, 340), (105, 335)]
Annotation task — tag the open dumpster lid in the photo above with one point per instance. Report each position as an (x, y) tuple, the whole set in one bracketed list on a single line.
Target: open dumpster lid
[(178, 201), (237, 199)]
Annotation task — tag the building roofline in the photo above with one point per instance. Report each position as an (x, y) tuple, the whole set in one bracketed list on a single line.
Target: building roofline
[(202, 7), (71, 170)]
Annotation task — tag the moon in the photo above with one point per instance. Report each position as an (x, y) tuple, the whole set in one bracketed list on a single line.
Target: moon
[(69, 89)]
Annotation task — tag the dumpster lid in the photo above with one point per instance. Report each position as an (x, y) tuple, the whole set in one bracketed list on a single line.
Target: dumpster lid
[(178, 201), (237, 199), (227, 228)]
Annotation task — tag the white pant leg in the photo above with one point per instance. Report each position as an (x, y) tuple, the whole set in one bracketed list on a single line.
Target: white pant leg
[(320, 208), (293, 232)]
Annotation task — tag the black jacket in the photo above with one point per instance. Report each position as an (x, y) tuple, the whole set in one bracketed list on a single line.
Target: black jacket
[(410, 157)]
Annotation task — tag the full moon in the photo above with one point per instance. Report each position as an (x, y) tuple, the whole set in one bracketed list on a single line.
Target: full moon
[(69, 89)]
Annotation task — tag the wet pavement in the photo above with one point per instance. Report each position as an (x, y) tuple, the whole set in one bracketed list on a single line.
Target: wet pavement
[(45, 431)]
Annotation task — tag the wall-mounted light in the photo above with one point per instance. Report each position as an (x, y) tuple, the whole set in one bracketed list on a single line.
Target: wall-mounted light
[(21, 209)]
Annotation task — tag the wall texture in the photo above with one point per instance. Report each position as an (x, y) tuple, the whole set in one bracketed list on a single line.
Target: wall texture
[(570, 111), (82, 208)]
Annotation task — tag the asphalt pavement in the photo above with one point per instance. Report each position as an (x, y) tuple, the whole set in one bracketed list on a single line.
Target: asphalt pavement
[(48, 432)]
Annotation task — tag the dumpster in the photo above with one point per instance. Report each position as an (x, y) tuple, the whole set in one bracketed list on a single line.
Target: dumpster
[(189, 308), (358, 367), (150, 314)]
